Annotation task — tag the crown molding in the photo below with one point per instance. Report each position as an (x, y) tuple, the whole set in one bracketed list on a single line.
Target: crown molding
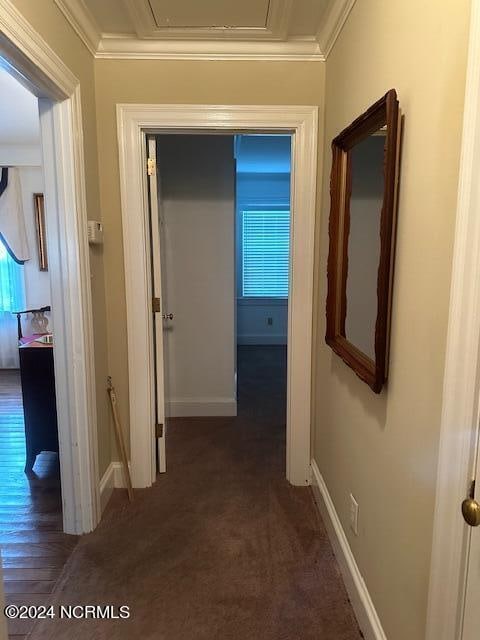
[(278, 21), (332, 24), (82, 22), (19, 41), (264, 47), (134, 49)]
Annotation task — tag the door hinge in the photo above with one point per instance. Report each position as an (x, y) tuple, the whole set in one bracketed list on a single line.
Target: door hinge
[(151, 166), (156, 305), (159, 430)]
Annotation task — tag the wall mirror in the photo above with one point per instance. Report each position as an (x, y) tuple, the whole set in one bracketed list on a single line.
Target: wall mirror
[(363, 187)]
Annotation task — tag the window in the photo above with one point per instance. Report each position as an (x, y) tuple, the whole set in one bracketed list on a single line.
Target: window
[(265, 253), (11, 282)]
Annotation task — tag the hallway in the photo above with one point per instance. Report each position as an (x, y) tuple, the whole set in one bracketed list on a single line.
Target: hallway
[(222, 547)]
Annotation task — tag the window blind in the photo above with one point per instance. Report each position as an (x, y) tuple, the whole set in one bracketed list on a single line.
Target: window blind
[(265, 253)]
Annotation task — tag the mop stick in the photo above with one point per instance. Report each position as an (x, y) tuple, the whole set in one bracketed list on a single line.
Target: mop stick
[(119, 436)]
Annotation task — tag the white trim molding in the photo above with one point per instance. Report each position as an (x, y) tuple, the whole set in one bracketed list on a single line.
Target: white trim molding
[(150, 43), (332, 24), (461, 392), (131, 48), (32, 61), (82, 21), (113, 478), (107, 485), (362, 603), (302, 122)]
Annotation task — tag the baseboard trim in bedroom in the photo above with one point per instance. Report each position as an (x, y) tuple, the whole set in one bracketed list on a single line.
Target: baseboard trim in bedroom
[(362, 604), (262, 340), (113, 478)]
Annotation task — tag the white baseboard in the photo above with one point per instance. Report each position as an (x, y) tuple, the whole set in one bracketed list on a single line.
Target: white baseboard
[(261, 339), (107, 484), (194, 407), (357, 589), (113, 478)]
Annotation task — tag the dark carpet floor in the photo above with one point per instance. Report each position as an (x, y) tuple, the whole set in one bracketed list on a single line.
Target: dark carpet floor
[(222, 547)]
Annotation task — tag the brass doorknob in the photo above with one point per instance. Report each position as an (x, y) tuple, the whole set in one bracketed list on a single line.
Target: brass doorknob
[(471, 512)]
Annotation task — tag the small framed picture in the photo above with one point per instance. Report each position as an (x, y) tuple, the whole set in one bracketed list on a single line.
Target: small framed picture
[(39, 208)]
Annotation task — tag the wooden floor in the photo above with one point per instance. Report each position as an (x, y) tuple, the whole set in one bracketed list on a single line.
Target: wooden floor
[(33, 546)]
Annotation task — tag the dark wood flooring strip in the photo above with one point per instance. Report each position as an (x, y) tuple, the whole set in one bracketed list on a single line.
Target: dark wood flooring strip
[(33, 546)]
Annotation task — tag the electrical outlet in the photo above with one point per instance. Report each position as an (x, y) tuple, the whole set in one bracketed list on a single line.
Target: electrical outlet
[(269, 321), (353, 515)]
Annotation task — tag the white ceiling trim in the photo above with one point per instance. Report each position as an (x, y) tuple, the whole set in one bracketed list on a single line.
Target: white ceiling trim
[(278, 20), (118, 46), (332, 24), (49, 77), (279, 14), (81, 20), (134, 49)]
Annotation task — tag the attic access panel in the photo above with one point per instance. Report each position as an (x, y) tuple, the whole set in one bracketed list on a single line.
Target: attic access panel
[(185, 14)]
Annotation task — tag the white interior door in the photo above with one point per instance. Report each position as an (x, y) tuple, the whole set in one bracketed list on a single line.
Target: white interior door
[(472, 594), (160, 312)]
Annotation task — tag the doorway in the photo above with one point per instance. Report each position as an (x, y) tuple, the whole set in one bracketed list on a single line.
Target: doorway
[(220, 238), (30, 487), (134, 123), (25, 55)]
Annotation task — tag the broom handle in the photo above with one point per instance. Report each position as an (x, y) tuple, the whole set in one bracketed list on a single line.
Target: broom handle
[(120, 440)]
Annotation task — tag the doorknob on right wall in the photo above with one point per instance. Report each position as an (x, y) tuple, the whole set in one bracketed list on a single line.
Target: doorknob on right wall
[(471, 508)]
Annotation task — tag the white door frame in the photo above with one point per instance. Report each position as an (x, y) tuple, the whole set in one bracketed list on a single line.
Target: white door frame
[(460, 412), (33, 63), (133, 120)]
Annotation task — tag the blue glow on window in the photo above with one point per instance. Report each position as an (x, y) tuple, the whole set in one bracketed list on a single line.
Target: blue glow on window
[(265, 253), (11, 282)]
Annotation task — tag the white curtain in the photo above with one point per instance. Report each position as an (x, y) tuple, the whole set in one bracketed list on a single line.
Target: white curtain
[(12, 220), (8, 341)]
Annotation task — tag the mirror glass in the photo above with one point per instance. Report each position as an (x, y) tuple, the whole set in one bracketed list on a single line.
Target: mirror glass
[(366, 200)]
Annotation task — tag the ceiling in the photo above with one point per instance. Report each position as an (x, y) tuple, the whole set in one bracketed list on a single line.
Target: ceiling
[(19, 119), (210, 29), (213, 13)]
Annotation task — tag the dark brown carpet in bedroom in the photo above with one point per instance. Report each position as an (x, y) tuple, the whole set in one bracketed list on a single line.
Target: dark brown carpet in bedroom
[(222, 547)]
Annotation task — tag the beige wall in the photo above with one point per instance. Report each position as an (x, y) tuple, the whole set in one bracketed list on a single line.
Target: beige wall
[(151, 81), (383, 448), (46, 18)]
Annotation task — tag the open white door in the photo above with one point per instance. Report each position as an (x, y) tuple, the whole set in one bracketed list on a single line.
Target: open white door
[(159, 308)]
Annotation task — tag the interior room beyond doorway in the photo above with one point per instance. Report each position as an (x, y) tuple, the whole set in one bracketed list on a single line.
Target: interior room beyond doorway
[(224, 211)]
